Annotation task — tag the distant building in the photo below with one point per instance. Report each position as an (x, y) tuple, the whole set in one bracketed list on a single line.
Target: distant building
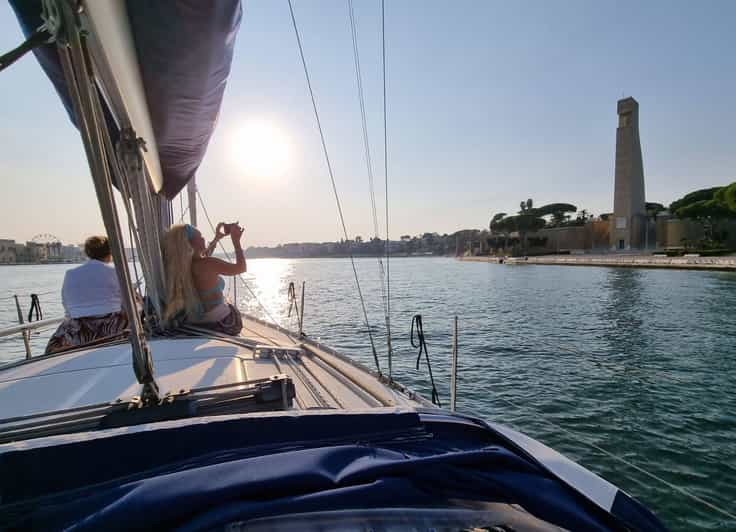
[(71, 253), (22, 253), (7, 251), (629, 212), (37, 252)]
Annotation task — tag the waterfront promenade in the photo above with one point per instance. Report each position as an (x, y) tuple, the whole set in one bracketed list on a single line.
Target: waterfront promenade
[(726, 263)]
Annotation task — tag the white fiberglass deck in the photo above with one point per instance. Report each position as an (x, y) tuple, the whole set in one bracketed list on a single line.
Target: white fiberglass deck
[(322, 379)]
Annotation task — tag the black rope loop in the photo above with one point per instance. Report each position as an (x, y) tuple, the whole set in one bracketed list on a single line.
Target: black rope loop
[(291, 294), (35, 309), (421, 344)]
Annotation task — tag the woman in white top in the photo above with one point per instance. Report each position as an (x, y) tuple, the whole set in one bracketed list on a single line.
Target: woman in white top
[(91, 299)]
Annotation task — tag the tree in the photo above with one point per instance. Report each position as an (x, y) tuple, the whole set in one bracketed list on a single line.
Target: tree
[(524, 222), (706, 205), (558, 212), (495, 227), (704, 194), (494, 221), (727, 196)]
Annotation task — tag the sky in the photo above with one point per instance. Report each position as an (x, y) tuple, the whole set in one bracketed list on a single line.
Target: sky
[(488, 103)]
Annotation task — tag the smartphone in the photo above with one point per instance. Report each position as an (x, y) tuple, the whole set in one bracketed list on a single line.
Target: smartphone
[(226, 228)]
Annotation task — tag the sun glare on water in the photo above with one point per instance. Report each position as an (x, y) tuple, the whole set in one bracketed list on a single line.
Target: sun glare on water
[(261, 150)]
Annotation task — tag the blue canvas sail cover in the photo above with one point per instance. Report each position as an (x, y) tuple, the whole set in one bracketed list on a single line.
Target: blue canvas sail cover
[(184, 50), (194, 475)]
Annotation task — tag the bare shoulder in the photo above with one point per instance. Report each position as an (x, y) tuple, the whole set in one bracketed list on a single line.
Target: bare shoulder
[(208, 265)]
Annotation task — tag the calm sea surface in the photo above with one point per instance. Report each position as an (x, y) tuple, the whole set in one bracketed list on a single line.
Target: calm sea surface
[(640, 364)]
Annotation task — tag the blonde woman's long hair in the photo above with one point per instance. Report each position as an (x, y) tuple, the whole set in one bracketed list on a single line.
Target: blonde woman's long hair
[(180, 292)]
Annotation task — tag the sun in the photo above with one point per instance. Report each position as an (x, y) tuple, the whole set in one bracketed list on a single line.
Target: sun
[(261, 150)]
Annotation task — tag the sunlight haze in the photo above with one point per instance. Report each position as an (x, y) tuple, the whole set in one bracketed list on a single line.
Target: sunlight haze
[(489, 103)]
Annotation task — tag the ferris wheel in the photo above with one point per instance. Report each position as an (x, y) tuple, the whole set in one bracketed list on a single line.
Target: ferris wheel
[(46, 238)]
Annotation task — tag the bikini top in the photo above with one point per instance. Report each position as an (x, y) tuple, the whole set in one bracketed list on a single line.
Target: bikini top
[(218, 288)]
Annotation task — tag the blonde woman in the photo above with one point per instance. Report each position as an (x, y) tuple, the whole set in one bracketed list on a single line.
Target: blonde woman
[(193, 283)]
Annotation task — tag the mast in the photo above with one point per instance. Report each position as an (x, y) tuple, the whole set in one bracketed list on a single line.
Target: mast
[(77, 63), (192, 195)]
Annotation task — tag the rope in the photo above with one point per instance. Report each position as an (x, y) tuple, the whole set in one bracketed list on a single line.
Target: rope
[(361, 101), (367, 150), (38, 38), (132, 256), (20, 295), (385, 175), (293, 305), (183, 214), (599, 363), (422, 345), (334, 186), (35, 308), (576, 437)]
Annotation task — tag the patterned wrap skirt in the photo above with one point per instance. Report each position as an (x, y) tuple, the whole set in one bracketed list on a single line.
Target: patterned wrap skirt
[(230, 321), (77, 332)]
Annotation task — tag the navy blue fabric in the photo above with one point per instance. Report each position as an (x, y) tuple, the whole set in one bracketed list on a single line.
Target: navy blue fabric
[(247, 467), (28, 13), (339, 477), (184, 50), (33, 473)]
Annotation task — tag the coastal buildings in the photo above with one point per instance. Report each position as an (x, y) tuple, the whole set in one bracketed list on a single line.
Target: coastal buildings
[(629, 221), (7, 251), (12, 252)]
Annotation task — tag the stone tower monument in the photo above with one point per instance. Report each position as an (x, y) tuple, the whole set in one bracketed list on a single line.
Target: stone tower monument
[(629, 213)]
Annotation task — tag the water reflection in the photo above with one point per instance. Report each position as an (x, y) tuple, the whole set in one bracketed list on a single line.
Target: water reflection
[(623, 309), (641, 362), (269, 281)]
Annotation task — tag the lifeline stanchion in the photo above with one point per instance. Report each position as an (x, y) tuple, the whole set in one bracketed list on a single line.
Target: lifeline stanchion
[(301, 314), (26, 334), (453, 374)]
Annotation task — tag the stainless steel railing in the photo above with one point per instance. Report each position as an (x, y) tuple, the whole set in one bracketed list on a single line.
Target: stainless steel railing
[(25, 329)]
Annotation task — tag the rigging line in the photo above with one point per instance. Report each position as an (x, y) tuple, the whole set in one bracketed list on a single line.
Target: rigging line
[(183, 214), (334, 186), (361, 101), (367, 148), (247, 286), (674, 487), (589, 356), (132, 252), (385, 175), (37, 293)]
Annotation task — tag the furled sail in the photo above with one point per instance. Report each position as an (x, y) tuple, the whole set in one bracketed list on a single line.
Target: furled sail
[(184, 51)]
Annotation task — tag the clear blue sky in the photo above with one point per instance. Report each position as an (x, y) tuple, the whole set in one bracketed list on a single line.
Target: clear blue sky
[(488, 103)]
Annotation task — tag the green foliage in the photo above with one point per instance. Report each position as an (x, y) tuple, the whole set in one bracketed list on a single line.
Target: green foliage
[(704, 194), (708, 205), (727, 196), (653, 208), (704, 209), (493, 225), (556, 209)]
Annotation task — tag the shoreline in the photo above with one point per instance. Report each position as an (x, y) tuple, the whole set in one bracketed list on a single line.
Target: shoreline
[(727, 263)]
